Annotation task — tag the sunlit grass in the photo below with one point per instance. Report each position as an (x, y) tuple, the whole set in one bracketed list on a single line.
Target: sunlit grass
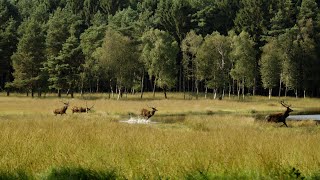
[(226, 143)]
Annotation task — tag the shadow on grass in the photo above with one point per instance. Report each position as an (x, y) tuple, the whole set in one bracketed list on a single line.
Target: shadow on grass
[(79, 173), (75, 173), (21, 175)]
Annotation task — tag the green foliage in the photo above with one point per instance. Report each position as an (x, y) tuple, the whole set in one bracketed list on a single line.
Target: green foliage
[(213, 57), (243, 56), (213, 16), (28, 58), (270, 64), (58, 27), (118, 58), (91, 39), (283, 18), (8, 39), (159, 56), (124, 21), (250, 18), (190, 47), (173, 16), (295, 22)]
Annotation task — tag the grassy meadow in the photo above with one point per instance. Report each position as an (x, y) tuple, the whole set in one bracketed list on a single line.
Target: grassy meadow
[(191, 139)]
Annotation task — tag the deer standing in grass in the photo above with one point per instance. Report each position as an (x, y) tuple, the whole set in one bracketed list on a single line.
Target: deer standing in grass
[(148, 114), (76, 109), (61, 110), (280, 117)]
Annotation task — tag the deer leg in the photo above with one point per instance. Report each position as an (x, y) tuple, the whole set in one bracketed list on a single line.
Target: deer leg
[(284, 122)]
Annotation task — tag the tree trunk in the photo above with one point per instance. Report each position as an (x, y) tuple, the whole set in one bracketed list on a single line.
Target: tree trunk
[(154, 88), (126, 91), (205, 93), (111, 89), (304, 94), (119, 94), (97, 85), (184, 88), (243, 88), (229, 90), (238, 90), (142, 83), (165, 93), (197, 89), (270, 93), (254, 87), (81, 88), (223, 93), (39, 92), (59, 93), (32, 92), (71, 92), (279, 95), (215, 93), (8, 93)]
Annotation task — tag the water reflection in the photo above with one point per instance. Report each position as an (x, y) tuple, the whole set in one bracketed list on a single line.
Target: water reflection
[(305, 117)]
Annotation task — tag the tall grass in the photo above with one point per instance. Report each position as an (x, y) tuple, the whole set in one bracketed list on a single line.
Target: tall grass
[(231, 144)]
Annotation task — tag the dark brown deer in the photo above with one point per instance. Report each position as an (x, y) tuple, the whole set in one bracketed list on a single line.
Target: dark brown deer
[(76, 109), (148, 114), (280, 117), (61, 110)]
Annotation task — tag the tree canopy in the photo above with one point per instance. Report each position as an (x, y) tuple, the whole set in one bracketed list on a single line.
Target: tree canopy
[(248, 46)]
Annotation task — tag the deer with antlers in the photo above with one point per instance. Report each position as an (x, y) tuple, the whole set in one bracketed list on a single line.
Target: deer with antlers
[(61, 110), (148, 114), (280, 117), (76, 109)]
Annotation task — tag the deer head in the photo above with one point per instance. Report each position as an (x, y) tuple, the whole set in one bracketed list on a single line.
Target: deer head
[(63, 109), (89, 108), (286, 106)]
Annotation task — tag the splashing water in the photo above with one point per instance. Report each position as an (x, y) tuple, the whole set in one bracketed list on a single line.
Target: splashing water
[(137, 120)]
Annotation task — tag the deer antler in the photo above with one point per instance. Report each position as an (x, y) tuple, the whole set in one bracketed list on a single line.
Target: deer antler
[(284, 104), (151, 106), (65, 103)]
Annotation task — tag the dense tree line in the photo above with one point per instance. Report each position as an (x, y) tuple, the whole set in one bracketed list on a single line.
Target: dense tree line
[(224, 47)]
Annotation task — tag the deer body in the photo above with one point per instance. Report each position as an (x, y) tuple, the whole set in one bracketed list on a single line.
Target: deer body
[(80, 110), (280, 117), (147, 114), (61, 110)]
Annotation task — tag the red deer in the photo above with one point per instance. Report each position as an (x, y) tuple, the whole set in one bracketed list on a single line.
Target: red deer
[(148, 114), (61, 110), (81, 109), (280, 117)]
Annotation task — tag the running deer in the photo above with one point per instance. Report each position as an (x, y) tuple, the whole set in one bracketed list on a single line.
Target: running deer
[(148, 114), (280, 117), (61, 110), (76, 109)]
